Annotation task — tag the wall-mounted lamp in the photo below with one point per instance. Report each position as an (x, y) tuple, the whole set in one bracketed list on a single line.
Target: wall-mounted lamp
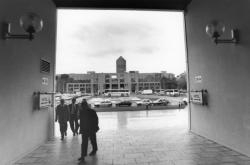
[(215, 29), (30, 22)]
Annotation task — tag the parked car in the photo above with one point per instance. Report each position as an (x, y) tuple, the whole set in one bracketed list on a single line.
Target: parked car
[(124, 103), (161, 93), (161, 101), (144, 102), (138, 92), (105, 103), (185, 100)]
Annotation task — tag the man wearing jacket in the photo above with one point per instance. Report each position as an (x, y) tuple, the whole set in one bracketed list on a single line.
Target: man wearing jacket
[(88, 128), (73, 118), (62, 116)]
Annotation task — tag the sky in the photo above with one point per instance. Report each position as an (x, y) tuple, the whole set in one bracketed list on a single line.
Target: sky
[(92, 40)]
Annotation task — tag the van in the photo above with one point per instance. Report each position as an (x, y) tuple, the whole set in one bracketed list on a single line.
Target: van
[(172, 92), (147, 92)]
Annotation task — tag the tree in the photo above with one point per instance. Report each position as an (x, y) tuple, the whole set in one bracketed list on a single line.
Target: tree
[(182, 81), (167, 83), (65, 76), (61, 82)]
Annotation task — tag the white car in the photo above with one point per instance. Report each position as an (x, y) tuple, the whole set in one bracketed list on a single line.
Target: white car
[(161, 93), (104, 103), (144, 102), (161, 101), (185, 100)]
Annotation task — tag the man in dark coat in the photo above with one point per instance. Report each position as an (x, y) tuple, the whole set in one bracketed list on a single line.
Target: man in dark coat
[(88, 128), (62, 116), (73, 118)]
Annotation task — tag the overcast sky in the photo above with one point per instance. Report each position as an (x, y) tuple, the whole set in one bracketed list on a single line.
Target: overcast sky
[(92, 40)]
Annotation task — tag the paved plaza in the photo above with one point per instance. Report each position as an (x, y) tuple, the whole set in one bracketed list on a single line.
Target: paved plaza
[(158, 137)]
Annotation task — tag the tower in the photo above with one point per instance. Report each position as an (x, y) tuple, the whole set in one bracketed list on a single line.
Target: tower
[(120, 65)]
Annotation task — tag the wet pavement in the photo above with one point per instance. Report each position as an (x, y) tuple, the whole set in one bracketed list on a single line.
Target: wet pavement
[(138, 138)]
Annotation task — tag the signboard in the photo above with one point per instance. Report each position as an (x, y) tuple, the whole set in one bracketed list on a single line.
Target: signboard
[(45, 81), (198, 79), (199, 97), (45, 101), (196, 97)]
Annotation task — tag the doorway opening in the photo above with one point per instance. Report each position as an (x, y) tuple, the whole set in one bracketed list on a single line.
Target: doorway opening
[(122, 60)]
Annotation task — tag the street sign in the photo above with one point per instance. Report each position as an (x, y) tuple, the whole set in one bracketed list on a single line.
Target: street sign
[(196, 97), (45, 101)]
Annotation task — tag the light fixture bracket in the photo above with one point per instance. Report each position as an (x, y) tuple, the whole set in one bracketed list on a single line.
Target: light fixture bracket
[(234, 37), (31, 24), (8, 35)]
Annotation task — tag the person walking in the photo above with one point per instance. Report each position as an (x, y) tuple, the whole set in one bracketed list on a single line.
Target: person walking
[(62, 116), (73, 118), (88, 128)]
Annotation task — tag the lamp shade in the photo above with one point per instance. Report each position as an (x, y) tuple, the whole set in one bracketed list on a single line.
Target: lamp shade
[(215, 29), (31, 23)]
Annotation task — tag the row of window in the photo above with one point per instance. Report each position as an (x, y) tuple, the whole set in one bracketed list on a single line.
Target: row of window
[(87, 90), (89, 85), (77, 85)]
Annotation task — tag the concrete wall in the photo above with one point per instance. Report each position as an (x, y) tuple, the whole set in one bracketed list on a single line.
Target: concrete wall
[(225, 72), (21, 128)]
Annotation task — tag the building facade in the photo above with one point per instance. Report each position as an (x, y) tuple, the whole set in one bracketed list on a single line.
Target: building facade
[(96, 83)]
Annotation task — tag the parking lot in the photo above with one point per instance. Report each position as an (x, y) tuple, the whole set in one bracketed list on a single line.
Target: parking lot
[(131, 103)]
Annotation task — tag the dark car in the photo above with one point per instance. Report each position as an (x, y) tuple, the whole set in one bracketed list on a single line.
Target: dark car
[(124, 103)]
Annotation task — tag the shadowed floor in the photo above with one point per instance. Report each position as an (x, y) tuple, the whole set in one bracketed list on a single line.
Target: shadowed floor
[(138, 138)]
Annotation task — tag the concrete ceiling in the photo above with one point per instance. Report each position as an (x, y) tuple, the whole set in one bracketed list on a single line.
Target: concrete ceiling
[(124, 4)]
